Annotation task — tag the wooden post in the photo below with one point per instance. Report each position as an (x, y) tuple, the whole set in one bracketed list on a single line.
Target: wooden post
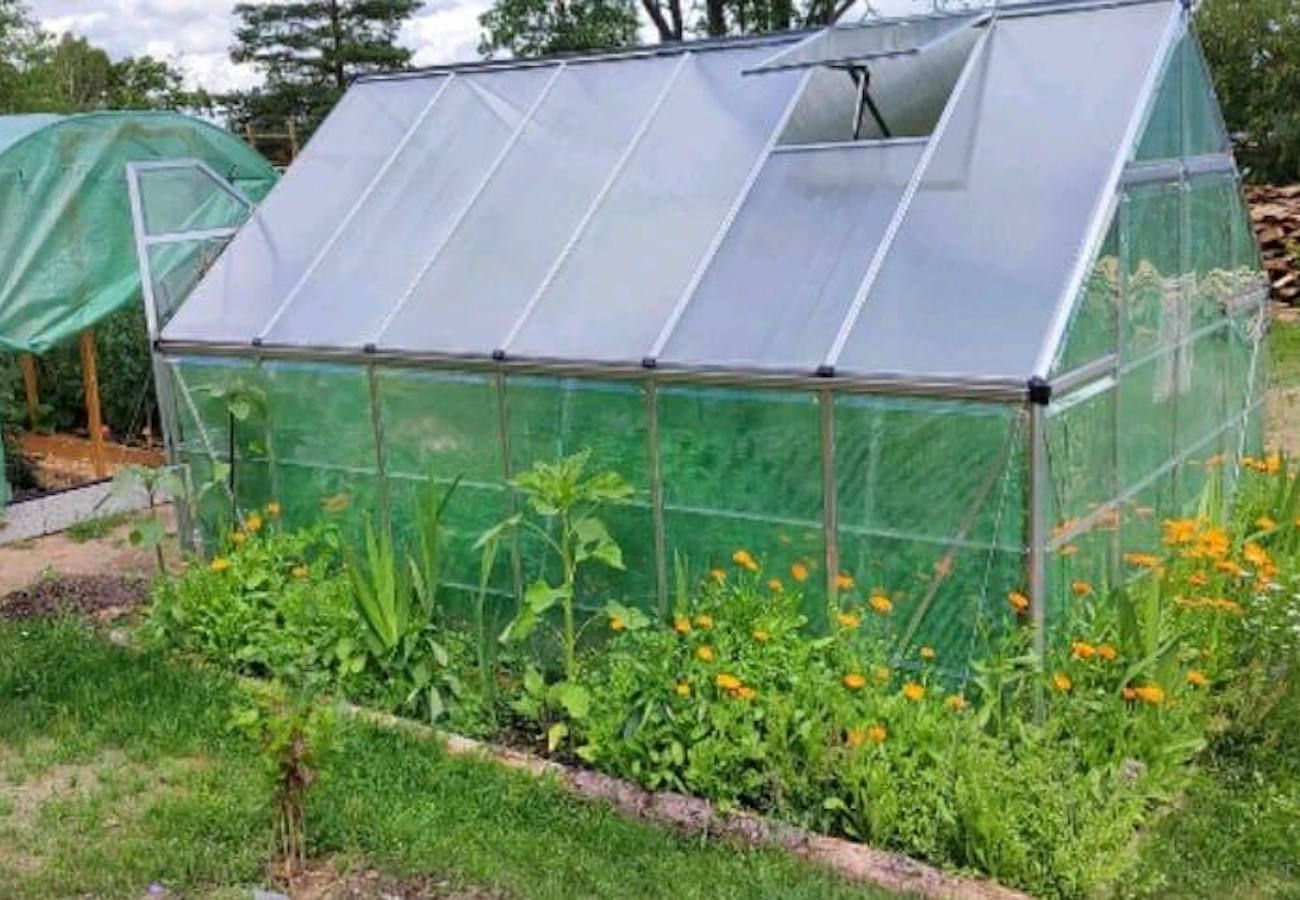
[(293, 140), (27, 363), (94, 417)]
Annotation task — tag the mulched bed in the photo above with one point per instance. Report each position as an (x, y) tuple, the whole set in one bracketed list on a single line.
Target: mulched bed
[(97, 597)]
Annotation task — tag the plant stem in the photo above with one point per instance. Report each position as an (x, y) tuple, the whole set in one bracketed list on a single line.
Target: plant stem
[(570, 639)]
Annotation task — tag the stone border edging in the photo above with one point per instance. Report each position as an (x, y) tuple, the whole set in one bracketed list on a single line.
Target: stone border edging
[(849, 859)]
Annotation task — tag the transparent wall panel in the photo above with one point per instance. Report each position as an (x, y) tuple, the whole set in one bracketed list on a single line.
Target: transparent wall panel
[(175, 269), (1203, 122), (1202, 383), (552, 418), (186, 199), (323, 440), (1078, 568), (528, 211), (637, 254), (412, 211), (1153, 307), (439, 427), (790, 266), (1246, 358), (869, 40), (1141, 520), (742, 470), (1081, 454), (272, 252), (1146, 417), (1092, 332), (1008, 198), (1212, 209), (1163, 135)]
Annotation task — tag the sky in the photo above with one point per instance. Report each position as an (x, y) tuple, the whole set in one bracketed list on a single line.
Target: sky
[(195, 35)]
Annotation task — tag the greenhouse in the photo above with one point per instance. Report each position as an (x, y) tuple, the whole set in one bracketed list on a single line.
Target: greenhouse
[(67, 255), (936, 305)]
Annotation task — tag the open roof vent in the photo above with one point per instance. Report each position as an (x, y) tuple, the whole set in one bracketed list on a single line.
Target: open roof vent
[(875, 81)]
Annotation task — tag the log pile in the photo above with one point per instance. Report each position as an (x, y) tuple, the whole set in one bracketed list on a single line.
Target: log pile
[(1275, 213)]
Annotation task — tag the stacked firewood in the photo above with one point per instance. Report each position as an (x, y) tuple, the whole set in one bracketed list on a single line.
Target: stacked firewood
[(1275, 213)]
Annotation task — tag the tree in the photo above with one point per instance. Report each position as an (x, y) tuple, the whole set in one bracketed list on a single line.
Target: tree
[(1253, 48), (308, 52)]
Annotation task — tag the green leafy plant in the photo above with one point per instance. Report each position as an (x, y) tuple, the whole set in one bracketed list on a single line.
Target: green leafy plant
[(160, 485)]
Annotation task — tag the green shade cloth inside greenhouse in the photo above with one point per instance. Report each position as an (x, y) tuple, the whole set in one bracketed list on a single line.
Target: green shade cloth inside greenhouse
[(67, 254)]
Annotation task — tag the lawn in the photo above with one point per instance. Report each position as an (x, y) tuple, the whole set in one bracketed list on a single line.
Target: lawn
[(118, 771)]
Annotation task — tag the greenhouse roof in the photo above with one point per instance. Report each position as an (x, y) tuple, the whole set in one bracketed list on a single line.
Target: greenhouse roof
[(911, 199)]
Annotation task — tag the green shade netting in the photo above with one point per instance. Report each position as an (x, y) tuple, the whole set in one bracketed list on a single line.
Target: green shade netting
[(67, 253)]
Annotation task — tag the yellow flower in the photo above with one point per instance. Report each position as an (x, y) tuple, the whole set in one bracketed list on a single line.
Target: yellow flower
[(1230, 567), (253, 524), (1180, 531), (844, 581), (238, 538), (955, 702), (761, 636), (1107, 652), (913, 691), (617, 623), (799, 572), (1151, 694), (848, 620), (300, 571), (775, 586), (1265, 523), (881, 673), (1142, 560), (1128, 694), (682, 688), (881, 604), (220, 564), (1198, 579), (1083, 650), (728, 682), (705, 653), (877, 734), (855, 737), (927, 653), (681, 625), (1068, 550), (746, 693), (1062, 682), (273, 510), (704, 622), (745, 560), (1081, 588), (718, 575), (1273, 462), (1255, 554), (1197, 678), (1019, 602), (854, 681)]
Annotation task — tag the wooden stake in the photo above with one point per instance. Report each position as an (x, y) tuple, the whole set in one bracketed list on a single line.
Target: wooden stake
[(27, 363), (94, 416)]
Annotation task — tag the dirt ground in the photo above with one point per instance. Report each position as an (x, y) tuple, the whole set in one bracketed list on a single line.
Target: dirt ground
[(25, 562)]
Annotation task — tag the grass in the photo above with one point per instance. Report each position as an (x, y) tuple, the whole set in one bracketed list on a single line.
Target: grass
[(140, 781), (96, 529), (1284, 343)]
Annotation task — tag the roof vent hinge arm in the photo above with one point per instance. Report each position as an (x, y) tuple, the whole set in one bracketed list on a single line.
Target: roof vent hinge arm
[(861, 76)]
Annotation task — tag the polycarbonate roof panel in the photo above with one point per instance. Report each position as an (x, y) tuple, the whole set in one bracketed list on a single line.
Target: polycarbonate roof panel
[(972, 283), (412, 211), (479, 283), (240, 294), (783, 279), (636, 255), (872, 40)]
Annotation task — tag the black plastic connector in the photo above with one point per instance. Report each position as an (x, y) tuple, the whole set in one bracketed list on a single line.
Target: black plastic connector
[(368, 348), (499, 355), (825, 371), (649, 362), (1040, 391), (257, 342)]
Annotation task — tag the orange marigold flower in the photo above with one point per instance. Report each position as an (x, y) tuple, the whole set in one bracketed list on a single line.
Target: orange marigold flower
[(881, 604), (617, 623), (253, 524), (746, 693), (1256, 555), (1230, 567), (273, 510), (1198, 579), (1062, 682), (1019, 602), (682, 688), (1107, 652), (1273, 462), (718, 575), (848, 620), (855, 737), (745, 560), (728, 682), (877, 733), (1081, 588), (1180, 531), (1265, 523), (761, 635), (1128, 694), (854, 681), (1197, 678), (704, 622), (844, 581), (799, 572), (914, 691), (705, 653), (1151, 694), (1083, 650), (681, 625), (220, 564), (237, 538), (955, 702), (775, 586), (926, 653), (1142, 560)]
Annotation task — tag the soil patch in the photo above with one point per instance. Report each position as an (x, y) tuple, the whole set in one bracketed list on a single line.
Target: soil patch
[(323, 880), (100, 598)]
